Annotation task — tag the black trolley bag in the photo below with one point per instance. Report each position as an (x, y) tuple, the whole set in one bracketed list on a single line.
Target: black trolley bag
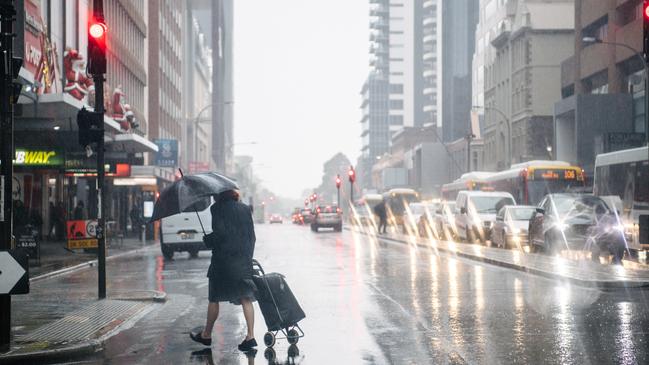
[(278, 305)]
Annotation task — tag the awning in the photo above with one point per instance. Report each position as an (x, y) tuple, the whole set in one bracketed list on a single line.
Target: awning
[(60, 106), (132, 143)]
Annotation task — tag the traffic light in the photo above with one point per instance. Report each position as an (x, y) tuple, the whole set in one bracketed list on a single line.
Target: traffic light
[(645, 21), (352, 174), (338, 182), (90, 127), (97, 47)]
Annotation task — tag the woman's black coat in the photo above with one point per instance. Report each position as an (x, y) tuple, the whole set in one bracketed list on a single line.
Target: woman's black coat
[(233, 244)]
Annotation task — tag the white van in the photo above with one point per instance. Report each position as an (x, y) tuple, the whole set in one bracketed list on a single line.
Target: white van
[(183, 232), (476, 213)]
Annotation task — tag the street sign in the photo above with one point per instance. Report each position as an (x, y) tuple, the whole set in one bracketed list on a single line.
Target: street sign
[(14, 272)]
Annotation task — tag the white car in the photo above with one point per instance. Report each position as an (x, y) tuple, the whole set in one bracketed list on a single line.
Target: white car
[(183, 231), (476, 213)]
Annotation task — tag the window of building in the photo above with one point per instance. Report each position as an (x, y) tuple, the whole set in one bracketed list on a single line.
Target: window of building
[(396, 88), (396, 104), (396, 120)]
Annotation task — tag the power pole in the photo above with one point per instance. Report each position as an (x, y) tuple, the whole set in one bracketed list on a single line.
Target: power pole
[(9, 68), (469, 138)]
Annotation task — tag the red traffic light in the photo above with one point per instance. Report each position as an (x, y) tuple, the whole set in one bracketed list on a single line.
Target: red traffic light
[(352, 174), (338, 181), (97, 30), (645, 11)]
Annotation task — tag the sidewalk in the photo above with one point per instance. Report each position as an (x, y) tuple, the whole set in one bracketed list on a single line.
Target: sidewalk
[(580, 271), (61, 316), (55, 256)]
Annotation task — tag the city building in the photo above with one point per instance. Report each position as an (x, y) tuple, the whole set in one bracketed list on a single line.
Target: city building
[(52, 39), (491, 14), (393, 92), (460, 150), (431, 65), (165, 61), (197, 90), (522, 80), (456, 41), (222, 85), (602, 84)]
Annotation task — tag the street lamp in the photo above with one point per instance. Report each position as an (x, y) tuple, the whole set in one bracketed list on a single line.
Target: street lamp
[(595, 40), (198, 120), (509, 129)]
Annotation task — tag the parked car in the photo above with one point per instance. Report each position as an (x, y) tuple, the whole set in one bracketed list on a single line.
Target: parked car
[(510, 228), (329, 216), (477, 213), (577, 222), (275, 218), (183, 231)]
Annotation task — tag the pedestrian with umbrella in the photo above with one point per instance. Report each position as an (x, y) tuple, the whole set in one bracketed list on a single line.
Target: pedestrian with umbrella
[(232, 242)]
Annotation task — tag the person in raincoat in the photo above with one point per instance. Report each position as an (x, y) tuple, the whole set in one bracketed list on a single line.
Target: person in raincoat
[(382, 213), (230, 273)]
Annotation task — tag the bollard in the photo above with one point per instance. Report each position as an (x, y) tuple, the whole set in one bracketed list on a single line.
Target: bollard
[(143, 238)]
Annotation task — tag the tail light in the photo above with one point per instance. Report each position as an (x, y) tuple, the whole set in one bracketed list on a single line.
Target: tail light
[(338, 210), (317, 210)]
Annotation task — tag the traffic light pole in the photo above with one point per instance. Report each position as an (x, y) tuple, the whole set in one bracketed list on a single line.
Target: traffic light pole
[(98, 13), (7, 17)]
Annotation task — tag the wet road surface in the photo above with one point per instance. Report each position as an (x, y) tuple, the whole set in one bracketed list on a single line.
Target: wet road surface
[(370, 302)]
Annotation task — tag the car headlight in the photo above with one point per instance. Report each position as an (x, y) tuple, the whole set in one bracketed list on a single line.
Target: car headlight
[(561, 226)]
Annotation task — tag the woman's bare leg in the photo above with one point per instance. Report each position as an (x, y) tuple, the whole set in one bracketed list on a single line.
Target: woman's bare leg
[(249, 314), (212, 315)]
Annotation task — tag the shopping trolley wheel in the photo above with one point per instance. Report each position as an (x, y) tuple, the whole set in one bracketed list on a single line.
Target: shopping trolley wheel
[(293, 351), (292, 336), (270, 355), (269, 339)]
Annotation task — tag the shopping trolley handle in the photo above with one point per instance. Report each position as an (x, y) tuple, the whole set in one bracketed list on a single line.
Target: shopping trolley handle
[(258, 265)]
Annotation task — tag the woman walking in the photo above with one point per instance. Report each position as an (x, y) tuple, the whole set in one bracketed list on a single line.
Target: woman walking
[(230, 273)]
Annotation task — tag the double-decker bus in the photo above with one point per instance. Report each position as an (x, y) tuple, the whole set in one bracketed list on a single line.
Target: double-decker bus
[(625, 174), (530, 181), (475, 180)]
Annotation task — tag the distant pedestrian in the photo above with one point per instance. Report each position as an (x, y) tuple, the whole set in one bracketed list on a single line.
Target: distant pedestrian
[(136, 219), (230, 273), (381, 211), (61, 217), (79, 213)]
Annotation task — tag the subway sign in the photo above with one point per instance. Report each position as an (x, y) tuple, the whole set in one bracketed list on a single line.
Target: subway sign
[(37, 157)]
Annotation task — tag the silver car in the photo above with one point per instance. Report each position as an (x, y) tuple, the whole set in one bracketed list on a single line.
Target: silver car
[(510, 228)]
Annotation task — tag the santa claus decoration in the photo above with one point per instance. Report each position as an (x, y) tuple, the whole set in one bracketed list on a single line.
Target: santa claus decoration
[(77, 82), (122, 112)]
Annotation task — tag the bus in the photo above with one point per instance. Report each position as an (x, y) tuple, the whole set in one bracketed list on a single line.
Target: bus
[(468, 181), (625, 175), (396, 201), (530, 181)]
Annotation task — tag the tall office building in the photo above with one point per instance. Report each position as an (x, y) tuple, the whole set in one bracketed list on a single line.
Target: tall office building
[(430, 65), (197, 86), (458, 24), (165, 69), (222, 85)]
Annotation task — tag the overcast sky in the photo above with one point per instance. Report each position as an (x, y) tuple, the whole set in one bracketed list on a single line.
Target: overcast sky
[(298, 69)]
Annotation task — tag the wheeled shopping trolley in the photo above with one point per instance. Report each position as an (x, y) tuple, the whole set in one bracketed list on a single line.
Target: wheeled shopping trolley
[(278, 305)]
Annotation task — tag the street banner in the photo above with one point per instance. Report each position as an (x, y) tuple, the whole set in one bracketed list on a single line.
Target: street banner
[(82, 234), (167, 155), (14, 272)]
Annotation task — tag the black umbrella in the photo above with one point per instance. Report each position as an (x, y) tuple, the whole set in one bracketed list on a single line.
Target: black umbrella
[(183, 194)]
